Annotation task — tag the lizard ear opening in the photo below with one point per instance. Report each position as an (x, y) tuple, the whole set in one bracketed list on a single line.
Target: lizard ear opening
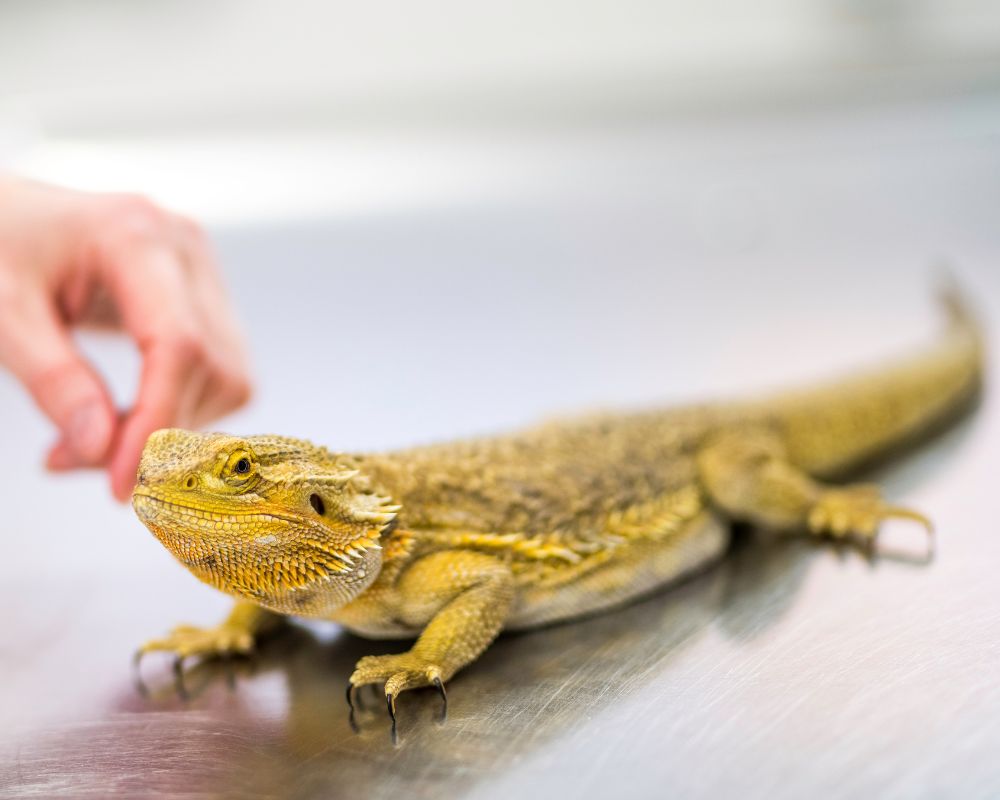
[(317, 503)]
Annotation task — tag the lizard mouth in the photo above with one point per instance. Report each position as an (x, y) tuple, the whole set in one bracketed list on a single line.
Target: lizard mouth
[(150, 506), (147, 506), (156, 510), (188, 531), (204, 540), (258, 556)]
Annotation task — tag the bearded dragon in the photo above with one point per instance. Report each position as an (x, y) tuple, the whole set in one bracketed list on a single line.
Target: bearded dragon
[(454, 543)]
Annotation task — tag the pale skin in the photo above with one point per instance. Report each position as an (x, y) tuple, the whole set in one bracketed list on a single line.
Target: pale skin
[(71, 260), (452, 544)]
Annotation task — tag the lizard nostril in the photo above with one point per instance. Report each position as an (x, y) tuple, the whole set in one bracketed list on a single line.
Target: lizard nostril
[(141, 479)]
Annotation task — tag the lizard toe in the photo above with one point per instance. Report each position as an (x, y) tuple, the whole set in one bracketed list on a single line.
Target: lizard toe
[(186, 641), (398, 673), (858, 512)]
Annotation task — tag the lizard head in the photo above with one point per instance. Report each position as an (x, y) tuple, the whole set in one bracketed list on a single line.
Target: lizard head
[(278, 521)]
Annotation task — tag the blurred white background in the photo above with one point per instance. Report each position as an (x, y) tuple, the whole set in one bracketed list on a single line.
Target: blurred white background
[(329, 108)]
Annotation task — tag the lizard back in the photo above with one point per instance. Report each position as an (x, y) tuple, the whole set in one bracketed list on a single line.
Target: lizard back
[(574, 486)]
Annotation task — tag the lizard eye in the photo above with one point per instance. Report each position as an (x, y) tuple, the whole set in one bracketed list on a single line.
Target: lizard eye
[(240, 466)]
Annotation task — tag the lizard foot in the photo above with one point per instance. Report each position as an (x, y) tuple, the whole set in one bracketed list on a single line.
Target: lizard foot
[(399, 672), (188, 641), (858, 511)]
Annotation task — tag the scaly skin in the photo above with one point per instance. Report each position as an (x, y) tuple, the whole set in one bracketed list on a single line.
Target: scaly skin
[(454, 543)]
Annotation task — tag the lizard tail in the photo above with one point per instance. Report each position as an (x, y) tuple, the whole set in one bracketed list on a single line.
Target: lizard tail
[(846, 425)]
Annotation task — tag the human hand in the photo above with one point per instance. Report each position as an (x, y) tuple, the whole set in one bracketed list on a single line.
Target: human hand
[(71, 259)]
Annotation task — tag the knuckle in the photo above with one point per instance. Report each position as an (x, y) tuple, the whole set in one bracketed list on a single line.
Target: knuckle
[(180, 344), (130, 218), (187, 345), (138, 206), (52, 380), (190, 229)]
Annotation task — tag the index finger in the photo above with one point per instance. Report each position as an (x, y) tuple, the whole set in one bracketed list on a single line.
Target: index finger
[(170, 385), (148, 284)]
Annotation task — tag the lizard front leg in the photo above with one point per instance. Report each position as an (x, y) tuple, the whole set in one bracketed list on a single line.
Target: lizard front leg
[(236, 634), (463, 598), (748, 475)]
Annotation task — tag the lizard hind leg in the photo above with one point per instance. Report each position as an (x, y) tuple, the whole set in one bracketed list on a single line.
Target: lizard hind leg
[(748, 474)]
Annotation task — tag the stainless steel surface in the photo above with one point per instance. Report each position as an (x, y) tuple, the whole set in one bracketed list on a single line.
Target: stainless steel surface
[(681, 264)]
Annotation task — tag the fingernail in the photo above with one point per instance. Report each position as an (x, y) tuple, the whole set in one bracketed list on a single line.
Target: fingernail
[(89, 432)]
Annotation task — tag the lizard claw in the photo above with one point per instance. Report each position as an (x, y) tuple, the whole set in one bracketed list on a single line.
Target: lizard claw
[(179, 677), (350, 704), (140, 684), (444, 697), (390, 701)]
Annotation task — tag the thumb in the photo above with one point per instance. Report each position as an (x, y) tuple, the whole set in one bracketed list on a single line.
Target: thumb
[(38, 350)]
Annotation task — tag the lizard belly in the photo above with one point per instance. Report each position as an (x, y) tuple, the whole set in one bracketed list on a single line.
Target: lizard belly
[(634, 569)]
